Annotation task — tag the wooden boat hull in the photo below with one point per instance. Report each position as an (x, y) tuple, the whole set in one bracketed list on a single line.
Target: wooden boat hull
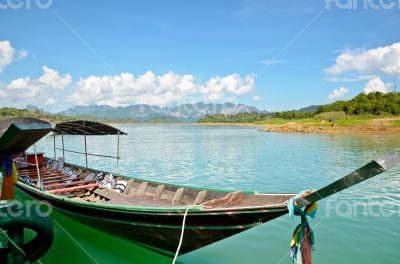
[(160, 230)]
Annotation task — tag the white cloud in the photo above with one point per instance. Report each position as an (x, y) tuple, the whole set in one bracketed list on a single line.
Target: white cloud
[(22, 54), (7, 53), (216, 88), (377, 85), (43, 90), (148, 88), (338, 93), (381, 60), (50, 101), (350, 78), (256, 98)]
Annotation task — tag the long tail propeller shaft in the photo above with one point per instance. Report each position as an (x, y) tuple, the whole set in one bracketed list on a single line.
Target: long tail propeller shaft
[(366, 172)]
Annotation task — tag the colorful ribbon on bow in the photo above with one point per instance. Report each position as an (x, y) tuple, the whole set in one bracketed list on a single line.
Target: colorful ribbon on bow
[(302, 243), (10, 177)]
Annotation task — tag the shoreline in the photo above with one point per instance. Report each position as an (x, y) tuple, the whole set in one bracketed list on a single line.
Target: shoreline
[(373, 126), (380, 126), (231, 124)]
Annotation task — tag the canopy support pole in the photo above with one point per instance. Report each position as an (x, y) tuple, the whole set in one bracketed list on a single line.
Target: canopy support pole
[(62, 139), (54, 146), (37, 166), (118, 154), (86, 156)]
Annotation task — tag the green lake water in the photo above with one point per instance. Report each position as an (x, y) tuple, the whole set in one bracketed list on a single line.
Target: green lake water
[(359, 225)]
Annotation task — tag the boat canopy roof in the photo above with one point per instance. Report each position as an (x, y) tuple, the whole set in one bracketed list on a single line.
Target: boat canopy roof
[(6, 123), (18, 134), (85, 127)]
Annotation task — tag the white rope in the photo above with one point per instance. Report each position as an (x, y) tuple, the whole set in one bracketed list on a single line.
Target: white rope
[(73, 239), (182, 232), (12, 242)]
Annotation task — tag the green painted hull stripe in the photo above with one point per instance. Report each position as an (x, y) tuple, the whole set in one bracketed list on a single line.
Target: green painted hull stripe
[(162, 251)]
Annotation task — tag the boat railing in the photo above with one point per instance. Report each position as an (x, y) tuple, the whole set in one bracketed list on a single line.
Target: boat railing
[(85, 152), (82, 128), (86, 128), (89, 154)]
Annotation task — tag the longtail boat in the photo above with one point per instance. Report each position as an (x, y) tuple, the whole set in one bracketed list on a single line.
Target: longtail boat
[(150, 213)]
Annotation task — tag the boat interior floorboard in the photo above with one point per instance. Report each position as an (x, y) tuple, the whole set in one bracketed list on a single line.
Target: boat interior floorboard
[(145, 201)]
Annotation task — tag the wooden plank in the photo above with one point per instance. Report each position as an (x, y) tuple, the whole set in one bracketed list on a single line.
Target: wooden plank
[(30, 169), (200, 197), (49, 174), (43, 173), (75, 188), (34, 177), (33, 169), (31, 172), (50, 179), (159, 190), (59, 176), (34, 173), (105, 193), (68, 184), (177, 196), (62, 180), (143, 188), (129, 186)]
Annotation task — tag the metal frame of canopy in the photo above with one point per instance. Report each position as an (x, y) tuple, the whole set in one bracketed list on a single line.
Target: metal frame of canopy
[(86, 128)]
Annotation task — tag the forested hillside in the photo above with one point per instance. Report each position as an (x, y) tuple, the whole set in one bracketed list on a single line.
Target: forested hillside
[(373, 103)]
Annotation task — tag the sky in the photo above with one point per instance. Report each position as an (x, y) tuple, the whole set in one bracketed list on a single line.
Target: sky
[(273, 54)]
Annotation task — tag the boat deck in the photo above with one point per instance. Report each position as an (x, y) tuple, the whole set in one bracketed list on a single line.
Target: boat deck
[(53, 180), (80, 183)]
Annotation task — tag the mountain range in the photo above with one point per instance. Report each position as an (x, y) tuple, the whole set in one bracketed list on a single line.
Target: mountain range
[(311, 108), (144, 112)]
